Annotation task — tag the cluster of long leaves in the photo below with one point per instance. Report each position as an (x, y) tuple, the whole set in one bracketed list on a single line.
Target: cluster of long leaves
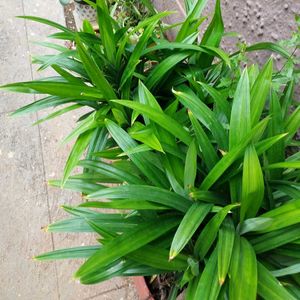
[(192, 157)]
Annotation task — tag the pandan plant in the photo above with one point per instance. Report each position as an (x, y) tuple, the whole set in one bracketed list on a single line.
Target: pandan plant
[(193, 150)]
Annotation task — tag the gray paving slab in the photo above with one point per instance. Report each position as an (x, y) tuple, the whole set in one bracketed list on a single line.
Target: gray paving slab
[(23, 214), (14, 62)]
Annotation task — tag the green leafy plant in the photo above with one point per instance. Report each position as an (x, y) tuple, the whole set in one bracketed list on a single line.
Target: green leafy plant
[(192, 150)]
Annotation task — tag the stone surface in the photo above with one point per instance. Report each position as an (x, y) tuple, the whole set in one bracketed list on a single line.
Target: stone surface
[(255, 21)]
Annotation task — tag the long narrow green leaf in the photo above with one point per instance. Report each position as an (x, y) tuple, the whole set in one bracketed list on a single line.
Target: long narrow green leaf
[(190, 169), (187, 27), (269, 287), (277, 152), (213, 35), (77, 184), (158, 258), (287, 98), (268, 46), (203, 114), (294, 269), (231, 156), (110, 170), (252, 186), (218, 98), (292, 123), (188, 226), (144, 193), (208, 286), (106, 31), (160, 71), (208, 196), (163, 120), (285, 165), (55, 88), (210, 231), (210, 156), (126, 143), (47, 22), (69, 253), (76, 152), (225, 247), (125, 204), (57, 113), (240, 122), (260, 91), (94, 72), (135, 56), (126, 243), (276, 238), (243, 271)]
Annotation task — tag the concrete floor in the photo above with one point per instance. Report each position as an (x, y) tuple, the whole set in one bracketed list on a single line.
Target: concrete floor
[(29, 156)]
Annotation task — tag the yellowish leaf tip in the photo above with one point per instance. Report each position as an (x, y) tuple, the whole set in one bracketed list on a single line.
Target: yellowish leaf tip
[(45, 228), (221, 281), (223, 152), (172, 255)]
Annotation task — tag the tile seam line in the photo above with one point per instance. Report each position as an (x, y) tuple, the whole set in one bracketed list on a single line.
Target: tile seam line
[(42, 152), (107, 292)]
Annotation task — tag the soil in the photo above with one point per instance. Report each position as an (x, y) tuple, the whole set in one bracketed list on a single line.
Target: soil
[(160, 285)]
